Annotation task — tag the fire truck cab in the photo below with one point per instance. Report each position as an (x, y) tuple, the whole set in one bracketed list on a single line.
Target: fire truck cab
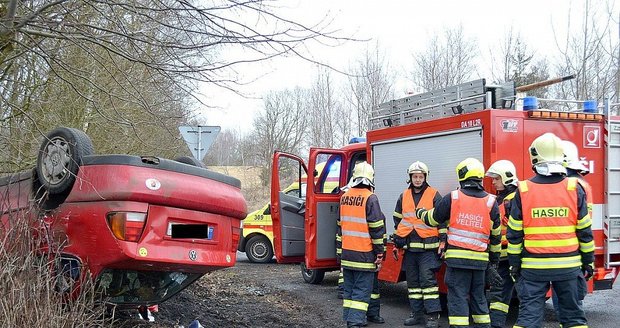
[(441, 128)]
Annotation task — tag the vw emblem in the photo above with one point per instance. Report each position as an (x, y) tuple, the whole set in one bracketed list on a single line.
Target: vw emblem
[(193, 255)]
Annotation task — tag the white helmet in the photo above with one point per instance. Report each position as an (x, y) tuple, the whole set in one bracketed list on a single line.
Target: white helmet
[(505, 170), (418, 167), (547, 155), (571, 158), (363, 173)]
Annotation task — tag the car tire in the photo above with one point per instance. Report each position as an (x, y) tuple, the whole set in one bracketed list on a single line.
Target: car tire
[(258, 249), (314, 277), (190, 161), (60, 157)]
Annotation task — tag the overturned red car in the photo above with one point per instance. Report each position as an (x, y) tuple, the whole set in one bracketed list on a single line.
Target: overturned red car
[(143, 227)]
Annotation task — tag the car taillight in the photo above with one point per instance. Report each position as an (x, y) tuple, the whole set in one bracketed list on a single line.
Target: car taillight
[(127, 226)]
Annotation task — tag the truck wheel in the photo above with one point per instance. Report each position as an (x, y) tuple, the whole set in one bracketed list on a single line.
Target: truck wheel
[(258, 249), (60, 157), (190, 161), (314, 277)]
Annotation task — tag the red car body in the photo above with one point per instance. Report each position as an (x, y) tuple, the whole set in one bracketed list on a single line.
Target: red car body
[(144, 227)]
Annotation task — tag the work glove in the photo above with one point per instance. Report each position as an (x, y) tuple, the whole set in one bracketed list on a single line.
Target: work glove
[(378, 261), (419, 212), (492, 276), (399, 242), (441, 250), (515, 272), (588, 271)]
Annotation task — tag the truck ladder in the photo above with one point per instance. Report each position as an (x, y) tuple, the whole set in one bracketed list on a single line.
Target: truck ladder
[(611, 224)]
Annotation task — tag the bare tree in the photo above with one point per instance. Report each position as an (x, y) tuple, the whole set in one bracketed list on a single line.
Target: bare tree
[(323, 111), (370, 84), (133, 65), (589, 52), (280, 126), (448, 59)]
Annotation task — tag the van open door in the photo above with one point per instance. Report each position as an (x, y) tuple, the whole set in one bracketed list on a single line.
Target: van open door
[(288, 207), (323, 197)]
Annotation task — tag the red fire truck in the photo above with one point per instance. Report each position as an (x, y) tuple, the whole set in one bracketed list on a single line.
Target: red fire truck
[(441, 128)]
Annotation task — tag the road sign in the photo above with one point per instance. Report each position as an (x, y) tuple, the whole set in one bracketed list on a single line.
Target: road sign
[(199, 138)]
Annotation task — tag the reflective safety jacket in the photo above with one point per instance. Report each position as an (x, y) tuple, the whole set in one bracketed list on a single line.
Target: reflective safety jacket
[(470, 222), (410, 221), (473, 212), (419, 236), (549, 229), (503, 201), (361, 229)]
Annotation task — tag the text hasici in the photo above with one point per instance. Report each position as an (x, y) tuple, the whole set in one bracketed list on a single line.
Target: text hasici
[(351, 200), (549, 212)]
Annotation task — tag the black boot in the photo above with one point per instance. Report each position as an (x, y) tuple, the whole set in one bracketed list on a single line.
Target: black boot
[(376, 319), (432, 320), (415, 318)]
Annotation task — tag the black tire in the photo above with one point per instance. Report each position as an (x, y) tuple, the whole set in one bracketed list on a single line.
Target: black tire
[(60, 157), (258, 249), (190, 161), (314, 277)]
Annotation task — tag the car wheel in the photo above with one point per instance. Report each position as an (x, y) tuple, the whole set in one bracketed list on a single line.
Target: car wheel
[(60, 157), (314, 277), (258, 249), (190, 161)]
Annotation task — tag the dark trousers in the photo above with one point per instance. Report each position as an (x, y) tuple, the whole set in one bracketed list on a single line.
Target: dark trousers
[(532, 295), (500, 297), (465, 293), (358, 286), (420, 269), (374, 308)]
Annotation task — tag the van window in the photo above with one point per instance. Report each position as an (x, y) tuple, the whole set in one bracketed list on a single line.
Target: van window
[(291, 172), (327, 180)]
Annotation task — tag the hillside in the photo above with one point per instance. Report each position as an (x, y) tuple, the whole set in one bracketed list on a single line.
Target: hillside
[(254, 192)]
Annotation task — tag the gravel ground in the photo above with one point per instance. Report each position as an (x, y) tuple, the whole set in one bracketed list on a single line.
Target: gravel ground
[(274, 295)]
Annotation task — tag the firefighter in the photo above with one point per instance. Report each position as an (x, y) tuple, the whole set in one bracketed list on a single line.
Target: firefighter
[(362, 231), (574, 169), (504, 177), (422, 258), (550, 238), (473, 244)]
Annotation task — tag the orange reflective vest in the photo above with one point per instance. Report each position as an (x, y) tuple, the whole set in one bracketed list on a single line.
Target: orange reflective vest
[(410, 221), (549, 216), (354, 226), (470, 221)]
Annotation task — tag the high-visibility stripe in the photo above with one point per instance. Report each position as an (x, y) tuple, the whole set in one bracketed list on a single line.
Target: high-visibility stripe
[(458, 321), (549, 230), (378, 241), (523, 186), (362, 306), (416, 296), (481, 318), (360, 265), (496, 231), (552, 243), (431, 220), (338, 250), (414, 290), (467, 240), (398, 215), (515, 248), (514, 224), (355, 234), (495, 248), (551, 262), (430, 290), (585, 222), (430, 296), (499, 306), (572, 184), (338, 238), (353, 219), (375, 296), (376, 224), (470, 234), (443, 230), (406, 224), (587, 247), (467, 254)]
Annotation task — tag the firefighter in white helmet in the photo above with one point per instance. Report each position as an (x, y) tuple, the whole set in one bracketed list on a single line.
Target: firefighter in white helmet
[(424, 245), (504, 177), (550, 238), (473, 244), (362, 230), (574, 169)]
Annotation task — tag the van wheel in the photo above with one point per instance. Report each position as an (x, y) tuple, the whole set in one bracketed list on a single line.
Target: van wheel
[(314, 277), (258, 249), (60, 157), (190, 161)]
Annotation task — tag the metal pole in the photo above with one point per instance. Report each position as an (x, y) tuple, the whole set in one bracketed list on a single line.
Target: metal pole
[(199, 137)]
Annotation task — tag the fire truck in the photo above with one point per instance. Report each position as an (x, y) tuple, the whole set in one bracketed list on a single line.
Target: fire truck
[(441, 128)]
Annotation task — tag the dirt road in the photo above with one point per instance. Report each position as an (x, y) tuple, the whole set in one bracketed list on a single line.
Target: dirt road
[(274, 295)]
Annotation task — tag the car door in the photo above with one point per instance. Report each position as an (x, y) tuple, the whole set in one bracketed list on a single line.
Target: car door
[(288, 208), (323, 206)]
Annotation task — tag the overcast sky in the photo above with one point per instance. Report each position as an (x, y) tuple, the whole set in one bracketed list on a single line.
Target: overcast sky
[(400, 28)]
